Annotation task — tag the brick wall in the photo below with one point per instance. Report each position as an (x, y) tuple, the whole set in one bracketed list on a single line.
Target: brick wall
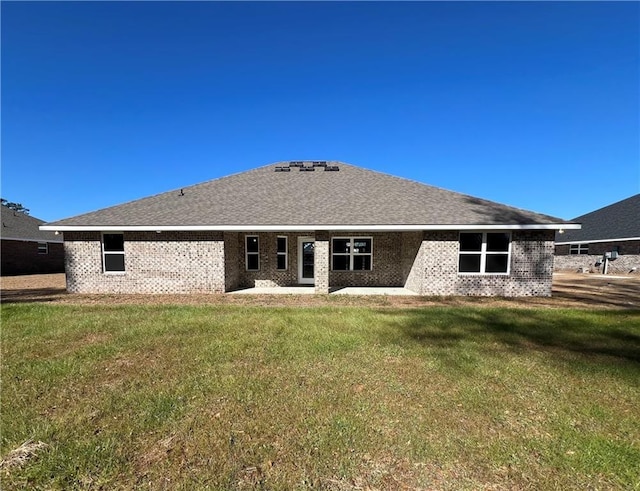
[(322, 263), (269, 275), (189, 262), (628, 258), (435, 271), (169, 262), (22, 257), (232, 263)]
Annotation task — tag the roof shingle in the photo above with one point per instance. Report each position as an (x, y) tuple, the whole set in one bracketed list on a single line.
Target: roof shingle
[(350, 196), (16, 225), (619, 220)]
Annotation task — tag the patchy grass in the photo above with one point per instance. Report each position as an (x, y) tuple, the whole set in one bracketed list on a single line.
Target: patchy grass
[(337, 397)]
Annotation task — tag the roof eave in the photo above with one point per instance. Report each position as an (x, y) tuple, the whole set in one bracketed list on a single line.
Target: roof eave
[(305, 228), (583, 241)]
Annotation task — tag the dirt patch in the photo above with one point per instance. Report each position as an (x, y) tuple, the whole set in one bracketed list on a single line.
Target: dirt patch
[(569, 291)]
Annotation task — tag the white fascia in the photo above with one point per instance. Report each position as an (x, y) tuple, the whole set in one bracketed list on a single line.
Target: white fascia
[(302, 228), (597, 241), (41, 241)]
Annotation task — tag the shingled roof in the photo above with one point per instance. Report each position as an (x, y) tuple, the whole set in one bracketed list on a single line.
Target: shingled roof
[(618, 221), (306, 195), (18, 226)]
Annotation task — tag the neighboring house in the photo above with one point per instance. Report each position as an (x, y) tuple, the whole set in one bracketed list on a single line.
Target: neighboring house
[(326, 224), (611, 233), (25, 249)]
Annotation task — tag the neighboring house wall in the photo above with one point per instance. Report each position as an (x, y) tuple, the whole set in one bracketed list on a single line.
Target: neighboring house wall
[(436, 267), (628, 258), (23, 257), (169, 262)]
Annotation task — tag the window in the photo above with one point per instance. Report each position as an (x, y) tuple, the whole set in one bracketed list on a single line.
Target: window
[(252, 253), (351, 253), (484, 252), (575, 249), (43, 248), (281, 253), (113, 253)]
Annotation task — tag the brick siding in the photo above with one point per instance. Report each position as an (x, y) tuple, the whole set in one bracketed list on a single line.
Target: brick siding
[(189, 262), (22, 257), (169, 262), (435, 271), (628, 258)]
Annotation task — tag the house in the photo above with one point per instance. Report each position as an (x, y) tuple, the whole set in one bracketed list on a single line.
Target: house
[(609, 240), (327, 224), (25, 249)]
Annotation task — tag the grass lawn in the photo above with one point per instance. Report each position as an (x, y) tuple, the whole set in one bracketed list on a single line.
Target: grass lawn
[(336, 397)]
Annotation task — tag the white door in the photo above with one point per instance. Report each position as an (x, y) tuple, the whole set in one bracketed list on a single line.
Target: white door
[(306, 246)]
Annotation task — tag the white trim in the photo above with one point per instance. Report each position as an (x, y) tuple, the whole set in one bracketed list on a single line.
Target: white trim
[(483, 257), (285, 253), (303, 228), (34, 240), (301, 280), (580, 249), (352, 254), (112, 253), (252, 253), (597, 241)]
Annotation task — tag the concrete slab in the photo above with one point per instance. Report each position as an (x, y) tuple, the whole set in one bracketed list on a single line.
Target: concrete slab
[(276, 290), (309, 290), (372, 290)]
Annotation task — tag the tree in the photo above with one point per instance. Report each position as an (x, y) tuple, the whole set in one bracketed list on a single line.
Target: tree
[(17, 207)]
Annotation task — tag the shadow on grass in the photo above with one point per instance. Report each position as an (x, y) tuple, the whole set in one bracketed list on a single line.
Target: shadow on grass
[(609, 333), (32, 295), (601, 293)]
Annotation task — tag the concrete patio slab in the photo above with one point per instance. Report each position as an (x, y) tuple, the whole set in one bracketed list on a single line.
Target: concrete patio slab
[(372, 290), (309, 290)]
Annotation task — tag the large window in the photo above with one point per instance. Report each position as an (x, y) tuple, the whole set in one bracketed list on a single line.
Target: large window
[(113, 253), (252, 253), (575, 249), (484, 252), (281, 253), (351, 253)]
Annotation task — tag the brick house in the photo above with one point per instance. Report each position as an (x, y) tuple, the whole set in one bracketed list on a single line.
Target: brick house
[(326, 224), (612, 231), (25, 249)]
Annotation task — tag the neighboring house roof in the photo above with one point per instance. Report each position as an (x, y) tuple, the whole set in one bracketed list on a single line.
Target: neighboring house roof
[(18, 226), (270, 198), (618, 221)]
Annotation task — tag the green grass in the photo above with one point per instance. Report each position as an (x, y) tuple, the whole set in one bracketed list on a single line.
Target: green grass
[(231, 397)]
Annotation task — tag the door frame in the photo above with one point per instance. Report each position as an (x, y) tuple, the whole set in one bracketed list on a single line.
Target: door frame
[(301, 280)]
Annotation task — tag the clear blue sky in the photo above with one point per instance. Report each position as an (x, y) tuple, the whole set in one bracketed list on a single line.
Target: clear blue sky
[(535, 105)]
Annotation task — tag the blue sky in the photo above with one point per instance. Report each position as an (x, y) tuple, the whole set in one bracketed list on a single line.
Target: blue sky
[(535, 105)]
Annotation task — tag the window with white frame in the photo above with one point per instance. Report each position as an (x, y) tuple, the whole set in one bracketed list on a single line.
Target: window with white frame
[(113, 253), (281, 253), (43, 248), (351, 253), (484, 252), (575, 249), (252, 253)]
